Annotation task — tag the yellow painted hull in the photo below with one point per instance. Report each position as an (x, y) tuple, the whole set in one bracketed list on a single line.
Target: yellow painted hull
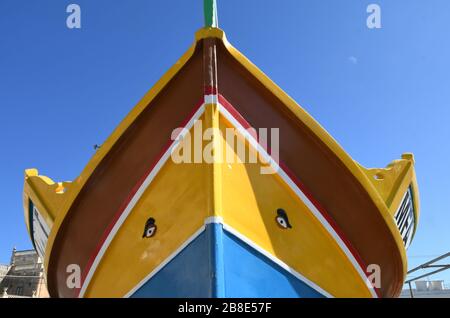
[(236, 230)]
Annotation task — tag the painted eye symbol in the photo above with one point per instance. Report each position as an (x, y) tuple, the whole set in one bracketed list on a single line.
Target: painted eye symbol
[(150, 228), (282, 219)]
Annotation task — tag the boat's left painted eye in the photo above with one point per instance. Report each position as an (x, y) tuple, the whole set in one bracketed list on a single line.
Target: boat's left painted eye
[(282, 222), (282, 219)]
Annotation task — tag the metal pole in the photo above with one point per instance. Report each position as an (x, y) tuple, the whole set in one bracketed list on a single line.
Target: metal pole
[(210, 11), (427, 274), (410, 290), (426, 265)]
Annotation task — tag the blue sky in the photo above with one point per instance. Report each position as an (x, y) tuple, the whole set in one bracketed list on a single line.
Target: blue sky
[(378, 92)]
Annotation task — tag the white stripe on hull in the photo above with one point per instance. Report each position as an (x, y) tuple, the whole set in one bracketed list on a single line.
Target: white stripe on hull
[(212, 99), (136, 198), (229, 229)]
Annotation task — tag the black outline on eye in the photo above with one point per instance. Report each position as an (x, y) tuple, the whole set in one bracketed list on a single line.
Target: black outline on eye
[(283, 215), (149, 225)]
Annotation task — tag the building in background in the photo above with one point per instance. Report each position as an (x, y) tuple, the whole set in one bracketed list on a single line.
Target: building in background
[(427, 289), (3, 271), (23, 277)]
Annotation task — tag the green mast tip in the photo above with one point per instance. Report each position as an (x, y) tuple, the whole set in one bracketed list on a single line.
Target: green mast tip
[(210, 10)]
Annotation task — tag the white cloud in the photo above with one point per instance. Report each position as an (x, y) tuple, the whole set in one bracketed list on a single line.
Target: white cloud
[(352, 59)]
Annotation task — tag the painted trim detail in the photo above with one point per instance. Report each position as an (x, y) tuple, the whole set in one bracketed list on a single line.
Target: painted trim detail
[(135, 198), (296, 187), (229, 113)]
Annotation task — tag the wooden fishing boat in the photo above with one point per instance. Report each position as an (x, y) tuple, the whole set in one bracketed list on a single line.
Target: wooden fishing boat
[(137, 223)]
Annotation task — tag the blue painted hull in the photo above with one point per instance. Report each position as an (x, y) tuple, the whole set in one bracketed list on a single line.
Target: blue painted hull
[(218, 264)]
